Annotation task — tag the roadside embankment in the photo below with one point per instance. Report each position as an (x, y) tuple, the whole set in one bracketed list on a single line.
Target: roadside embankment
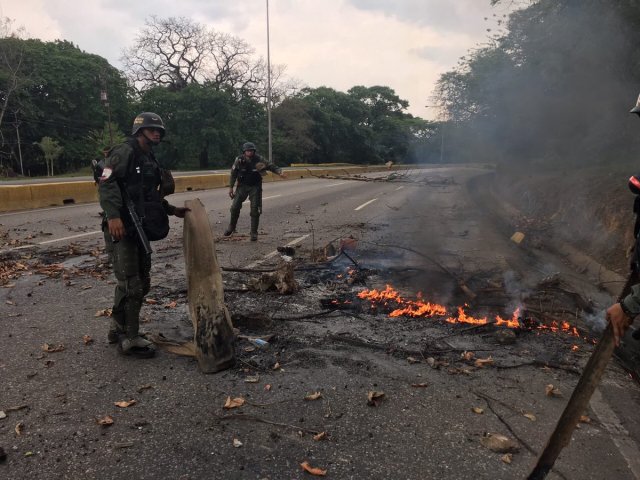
[(586, 217)]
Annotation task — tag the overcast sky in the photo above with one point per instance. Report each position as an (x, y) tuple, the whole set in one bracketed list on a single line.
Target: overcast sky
[(403, 44)]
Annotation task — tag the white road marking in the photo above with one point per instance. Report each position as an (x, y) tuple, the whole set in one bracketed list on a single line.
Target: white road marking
[(46, 242), (365, 204), (275, 252), (335, 184), (71, 237), (264, 198), (400, 188), (620, 436)]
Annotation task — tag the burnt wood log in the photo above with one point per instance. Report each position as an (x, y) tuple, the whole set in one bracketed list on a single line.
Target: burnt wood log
[(213, 331), (580, 397)]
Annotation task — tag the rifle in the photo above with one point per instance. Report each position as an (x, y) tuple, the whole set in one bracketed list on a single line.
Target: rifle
[(137, 223)]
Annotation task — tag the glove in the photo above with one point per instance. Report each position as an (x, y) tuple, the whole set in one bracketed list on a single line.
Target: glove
[(181, 211)]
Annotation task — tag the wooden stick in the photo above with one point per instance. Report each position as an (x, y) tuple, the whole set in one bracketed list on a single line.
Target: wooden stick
[(213, 331), (580, 397)]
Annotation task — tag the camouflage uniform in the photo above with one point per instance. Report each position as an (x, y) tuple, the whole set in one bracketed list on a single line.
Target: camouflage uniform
[(129, 167), (248, 173)]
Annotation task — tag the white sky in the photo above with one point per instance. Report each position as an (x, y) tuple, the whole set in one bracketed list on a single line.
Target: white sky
[(402, 44)]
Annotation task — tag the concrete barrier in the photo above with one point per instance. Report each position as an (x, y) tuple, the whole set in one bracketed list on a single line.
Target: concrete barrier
[(38, 195)]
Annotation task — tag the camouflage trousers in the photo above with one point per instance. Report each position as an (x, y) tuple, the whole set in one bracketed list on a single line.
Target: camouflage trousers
[(131, 267), (254, 193)]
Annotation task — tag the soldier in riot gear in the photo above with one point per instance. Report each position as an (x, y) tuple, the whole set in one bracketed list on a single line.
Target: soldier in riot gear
[(131, 192), (248, 170)]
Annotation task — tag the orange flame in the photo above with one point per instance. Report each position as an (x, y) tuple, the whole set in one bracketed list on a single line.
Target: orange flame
[(391, 298)]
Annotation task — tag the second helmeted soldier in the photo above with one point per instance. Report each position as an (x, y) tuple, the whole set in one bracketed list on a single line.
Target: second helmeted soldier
[(247, 170)]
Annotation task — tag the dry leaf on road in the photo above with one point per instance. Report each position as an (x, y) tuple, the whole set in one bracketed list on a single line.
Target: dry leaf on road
[(87, 339), (481, 362), (412, 360), (151, 301), (313, 396), (124, 403), (374, 398), (507, 458), (103, 313), (478, 410), (173, 304), (530, 416), (233, 403), (52, 349), (19, 428), (237, 443), (551, 391), (320, 436), (105, 421), (499, 443), (468, 356), (313, 470)]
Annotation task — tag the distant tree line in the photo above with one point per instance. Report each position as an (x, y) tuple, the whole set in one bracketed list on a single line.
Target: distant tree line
[(60, 106), (552, 88)]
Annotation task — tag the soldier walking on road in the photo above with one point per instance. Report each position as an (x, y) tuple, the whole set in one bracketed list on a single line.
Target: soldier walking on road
[(132, 175), (248, 169)]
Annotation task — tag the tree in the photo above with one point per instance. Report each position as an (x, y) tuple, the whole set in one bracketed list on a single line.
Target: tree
[(59, 97), (551, 89), (176, 52), (52, 151), (204, 126), (11, 57), (106, 137), (292, 131)]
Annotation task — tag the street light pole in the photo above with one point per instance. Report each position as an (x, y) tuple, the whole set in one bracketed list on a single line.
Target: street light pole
[(268, 85)]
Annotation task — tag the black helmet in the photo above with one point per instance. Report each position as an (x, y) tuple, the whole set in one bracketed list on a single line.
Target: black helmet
[(147, 120), (248, 146), (636, 109)]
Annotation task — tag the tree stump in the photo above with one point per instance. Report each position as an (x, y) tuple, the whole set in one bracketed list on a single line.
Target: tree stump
[(213, 330)]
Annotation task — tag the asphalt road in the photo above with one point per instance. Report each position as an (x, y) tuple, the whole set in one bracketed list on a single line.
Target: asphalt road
[(438, 404)]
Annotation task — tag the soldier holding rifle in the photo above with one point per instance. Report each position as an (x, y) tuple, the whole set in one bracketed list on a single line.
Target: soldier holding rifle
[(132, 187)]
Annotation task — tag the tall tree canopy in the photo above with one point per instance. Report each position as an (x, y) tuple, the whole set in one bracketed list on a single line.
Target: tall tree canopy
[(175, 52), (555, 86), (56, 94)]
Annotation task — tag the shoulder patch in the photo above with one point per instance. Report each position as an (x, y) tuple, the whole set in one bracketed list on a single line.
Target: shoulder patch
[(106, 173)]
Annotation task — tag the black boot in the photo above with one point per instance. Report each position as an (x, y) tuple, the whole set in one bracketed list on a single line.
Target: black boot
[(232, 224), (255, 221), (116, 329)]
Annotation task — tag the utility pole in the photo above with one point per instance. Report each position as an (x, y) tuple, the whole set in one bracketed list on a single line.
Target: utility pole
[(16, 123), (268, 85), (441, 141), (104, 97)]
